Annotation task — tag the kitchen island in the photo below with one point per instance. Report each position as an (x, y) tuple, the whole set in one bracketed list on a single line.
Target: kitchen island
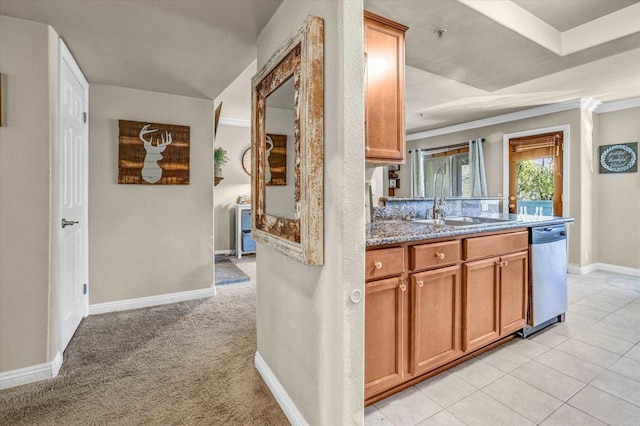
[(439, 292)]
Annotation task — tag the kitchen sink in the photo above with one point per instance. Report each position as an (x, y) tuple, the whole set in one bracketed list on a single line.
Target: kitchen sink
[(462, 221)]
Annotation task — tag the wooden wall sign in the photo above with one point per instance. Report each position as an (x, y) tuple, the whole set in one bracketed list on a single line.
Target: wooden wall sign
[(276, 160), (619, 158), (153, 153)]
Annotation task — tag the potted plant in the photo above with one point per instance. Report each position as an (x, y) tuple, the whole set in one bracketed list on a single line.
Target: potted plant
[(219, 158)]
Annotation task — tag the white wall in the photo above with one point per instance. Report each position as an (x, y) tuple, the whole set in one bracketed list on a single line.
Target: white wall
[(618, 200), (28, 62), (309, 333), (148, 240), (234, 135)]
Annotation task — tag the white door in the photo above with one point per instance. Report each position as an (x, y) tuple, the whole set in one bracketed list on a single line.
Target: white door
[(74, 91)]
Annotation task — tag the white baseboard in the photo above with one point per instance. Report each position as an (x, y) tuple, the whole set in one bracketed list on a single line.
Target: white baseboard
[(35, 373), (145, 302), (581, 270), (619, 269), (279, 393), (231, 251)]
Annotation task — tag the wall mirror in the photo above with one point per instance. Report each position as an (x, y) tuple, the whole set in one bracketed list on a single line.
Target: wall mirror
[(287, 146)]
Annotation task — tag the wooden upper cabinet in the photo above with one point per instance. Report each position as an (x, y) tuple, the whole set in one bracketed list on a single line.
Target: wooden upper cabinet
[(384, 90)]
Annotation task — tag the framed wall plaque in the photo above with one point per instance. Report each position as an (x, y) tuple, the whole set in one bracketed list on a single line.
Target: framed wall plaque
[(153, 153), (618, 158)]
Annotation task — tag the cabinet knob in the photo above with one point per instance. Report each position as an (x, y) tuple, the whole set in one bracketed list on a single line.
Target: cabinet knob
[(505, 263), (403, 287), (439, 255), (511, 206), (367, 149), (420, 283), (499, 264), (378, 264)]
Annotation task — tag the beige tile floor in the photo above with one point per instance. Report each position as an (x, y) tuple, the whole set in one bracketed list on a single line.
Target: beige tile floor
[(585, 371)]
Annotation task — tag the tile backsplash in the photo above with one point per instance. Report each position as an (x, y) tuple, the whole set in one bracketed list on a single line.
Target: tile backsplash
[(411, 208)]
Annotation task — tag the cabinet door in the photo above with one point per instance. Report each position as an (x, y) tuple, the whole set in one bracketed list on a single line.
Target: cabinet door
[(480, 304), (513, 292), (435, 319), (384, 90), (385, 302)]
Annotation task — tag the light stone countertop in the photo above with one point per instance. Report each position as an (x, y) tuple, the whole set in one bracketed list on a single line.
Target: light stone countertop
[(383, 232)]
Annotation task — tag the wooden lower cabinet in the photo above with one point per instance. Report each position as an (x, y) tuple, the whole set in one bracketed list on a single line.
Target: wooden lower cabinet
[(480, 303), (384, 366), (435, 319), (494, 299), (513, 292), (422, 315)]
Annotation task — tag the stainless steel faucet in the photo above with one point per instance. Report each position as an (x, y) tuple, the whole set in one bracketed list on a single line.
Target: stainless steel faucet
[(438, 205)]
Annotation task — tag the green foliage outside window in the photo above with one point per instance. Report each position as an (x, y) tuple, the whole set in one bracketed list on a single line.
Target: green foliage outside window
[(535, 180)]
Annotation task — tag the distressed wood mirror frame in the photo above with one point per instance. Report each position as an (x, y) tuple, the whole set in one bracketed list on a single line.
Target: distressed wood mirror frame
[(300, 57)]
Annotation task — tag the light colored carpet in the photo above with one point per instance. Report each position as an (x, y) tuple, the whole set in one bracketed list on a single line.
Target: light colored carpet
[(185, 363)]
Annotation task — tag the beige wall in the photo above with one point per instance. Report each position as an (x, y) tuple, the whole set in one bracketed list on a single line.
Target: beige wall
[(578, 172), (236, 182), (28, 62), (618, 201), (148, 240), (235, 139), (309, 333)]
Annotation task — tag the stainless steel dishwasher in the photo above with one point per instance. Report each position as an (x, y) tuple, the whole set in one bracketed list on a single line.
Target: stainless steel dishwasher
[(548, 255)]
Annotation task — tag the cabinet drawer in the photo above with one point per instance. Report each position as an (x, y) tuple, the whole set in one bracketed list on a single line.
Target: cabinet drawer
[(384, 263), (494, 245), (435, 254)]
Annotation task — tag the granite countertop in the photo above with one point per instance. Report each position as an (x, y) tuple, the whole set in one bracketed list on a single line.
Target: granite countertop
[(383, 232)]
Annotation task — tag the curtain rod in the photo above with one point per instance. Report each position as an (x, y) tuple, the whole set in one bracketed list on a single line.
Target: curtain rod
[(447, 147)]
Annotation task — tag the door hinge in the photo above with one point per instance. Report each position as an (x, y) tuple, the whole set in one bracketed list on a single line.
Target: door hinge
[(84, 117), (84, 288)]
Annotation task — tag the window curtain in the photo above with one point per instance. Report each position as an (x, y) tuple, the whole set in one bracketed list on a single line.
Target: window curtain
[(418, 187), (477, 176)]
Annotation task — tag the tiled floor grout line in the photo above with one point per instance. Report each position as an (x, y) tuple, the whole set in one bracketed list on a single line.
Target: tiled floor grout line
[(613, 324)]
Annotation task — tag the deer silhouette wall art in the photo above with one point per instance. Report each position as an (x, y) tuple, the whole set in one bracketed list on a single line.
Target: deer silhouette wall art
[(153, 153), (151, 172)]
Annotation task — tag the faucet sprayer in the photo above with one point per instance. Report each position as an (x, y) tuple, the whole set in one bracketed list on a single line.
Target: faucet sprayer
[(438, 204)]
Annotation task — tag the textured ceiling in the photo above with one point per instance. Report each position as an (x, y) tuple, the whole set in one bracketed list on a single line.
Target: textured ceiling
[(476, 50), (482, 69), (566, 14), (186, 47)]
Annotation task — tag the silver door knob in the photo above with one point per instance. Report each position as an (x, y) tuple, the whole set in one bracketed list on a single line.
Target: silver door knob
[(66, 222)]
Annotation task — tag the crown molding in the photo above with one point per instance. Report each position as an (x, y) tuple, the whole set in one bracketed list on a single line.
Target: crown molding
[(238, 122), (589, 104), (618, 105), (499, 119)]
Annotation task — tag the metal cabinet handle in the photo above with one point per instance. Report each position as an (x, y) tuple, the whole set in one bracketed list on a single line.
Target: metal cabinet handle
[(403, 287), (505, 263), (378, 265), (439, 255), (420, 283), (66, 222)]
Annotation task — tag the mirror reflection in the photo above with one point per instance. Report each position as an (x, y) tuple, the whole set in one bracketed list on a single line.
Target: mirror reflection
[(280, 145)]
